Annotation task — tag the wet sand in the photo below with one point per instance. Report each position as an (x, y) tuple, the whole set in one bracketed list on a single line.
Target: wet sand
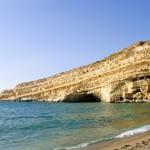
[(135, 142)]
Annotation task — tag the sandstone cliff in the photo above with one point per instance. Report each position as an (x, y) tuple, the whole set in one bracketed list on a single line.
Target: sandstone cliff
[(121, 77)]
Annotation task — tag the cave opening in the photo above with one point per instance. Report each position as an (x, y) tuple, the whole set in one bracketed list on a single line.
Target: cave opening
[(81, 97)]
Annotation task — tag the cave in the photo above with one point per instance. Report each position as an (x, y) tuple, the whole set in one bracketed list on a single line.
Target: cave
[(81, 97)]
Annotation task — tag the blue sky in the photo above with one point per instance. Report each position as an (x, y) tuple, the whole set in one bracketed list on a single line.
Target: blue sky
[(39, 38)]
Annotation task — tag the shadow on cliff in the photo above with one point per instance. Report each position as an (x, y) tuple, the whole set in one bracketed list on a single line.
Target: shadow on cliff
[(81, 97)]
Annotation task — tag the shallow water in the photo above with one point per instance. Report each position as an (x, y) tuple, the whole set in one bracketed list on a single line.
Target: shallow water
[(46, 126)]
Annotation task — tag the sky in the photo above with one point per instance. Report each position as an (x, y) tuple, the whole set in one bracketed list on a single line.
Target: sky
[(39, 38)]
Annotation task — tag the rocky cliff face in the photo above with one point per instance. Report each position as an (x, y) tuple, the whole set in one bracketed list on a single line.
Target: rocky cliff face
[(121, 77)]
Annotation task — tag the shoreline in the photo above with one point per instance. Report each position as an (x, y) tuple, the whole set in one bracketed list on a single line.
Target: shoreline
[(140, 141), (119, 102)]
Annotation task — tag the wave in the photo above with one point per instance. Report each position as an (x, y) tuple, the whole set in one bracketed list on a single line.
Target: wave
[(73, 147), (134, 131), (83, 145), (78, 146), (122, 135)]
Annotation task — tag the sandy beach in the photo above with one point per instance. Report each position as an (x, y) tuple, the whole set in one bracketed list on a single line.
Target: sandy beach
[(135, 142)]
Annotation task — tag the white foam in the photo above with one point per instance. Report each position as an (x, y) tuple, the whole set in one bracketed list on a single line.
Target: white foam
[(134, 131), (77, 146), (73, 147), (124, 134)]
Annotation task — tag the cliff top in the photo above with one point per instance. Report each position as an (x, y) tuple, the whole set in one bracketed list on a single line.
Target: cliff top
[(134, 45)]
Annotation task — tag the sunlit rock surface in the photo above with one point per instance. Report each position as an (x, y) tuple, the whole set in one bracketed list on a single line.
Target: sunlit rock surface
[(122, 77)]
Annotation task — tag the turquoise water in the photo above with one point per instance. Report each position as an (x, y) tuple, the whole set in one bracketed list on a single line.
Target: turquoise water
[(46, 126)]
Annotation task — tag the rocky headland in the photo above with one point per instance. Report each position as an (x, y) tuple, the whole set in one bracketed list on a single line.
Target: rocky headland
[(122, 77)]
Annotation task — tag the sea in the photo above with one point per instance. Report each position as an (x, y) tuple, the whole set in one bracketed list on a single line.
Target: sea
[(67, 126)]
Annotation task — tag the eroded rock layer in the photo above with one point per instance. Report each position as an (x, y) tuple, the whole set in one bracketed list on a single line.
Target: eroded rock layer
[(121, 77)]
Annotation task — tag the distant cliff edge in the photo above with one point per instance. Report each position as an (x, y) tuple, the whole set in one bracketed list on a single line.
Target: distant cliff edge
[(122, 77)]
